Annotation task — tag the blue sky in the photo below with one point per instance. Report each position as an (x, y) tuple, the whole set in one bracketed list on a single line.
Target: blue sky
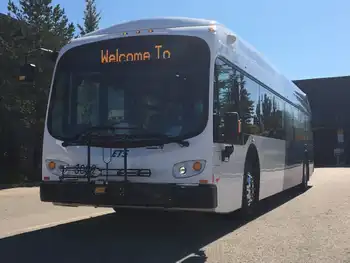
[(302, 38)]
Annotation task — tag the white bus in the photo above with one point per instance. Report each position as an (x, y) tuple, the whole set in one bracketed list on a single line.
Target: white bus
[(171, 113)]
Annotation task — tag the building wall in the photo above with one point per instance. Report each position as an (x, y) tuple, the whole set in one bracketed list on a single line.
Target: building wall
[(330, 103)]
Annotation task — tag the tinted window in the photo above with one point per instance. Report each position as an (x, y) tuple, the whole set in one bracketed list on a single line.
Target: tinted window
[(226, 90), (262, 112), (156, 83), (266, 102), (250, 106)]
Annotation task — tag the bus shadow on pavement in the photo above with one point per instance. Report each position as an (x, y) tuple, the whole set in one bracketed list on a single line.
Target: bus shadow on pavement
[(138, 236)]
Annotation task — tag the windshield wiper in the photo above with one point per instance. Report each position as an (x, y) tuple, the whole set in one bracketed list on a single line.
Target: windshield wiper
[(180, 142), (85, 137)]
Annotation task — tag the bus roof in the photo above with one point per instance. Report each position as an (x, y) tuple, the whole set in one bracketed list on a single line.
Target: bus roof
[(154, 23), (249, 56)]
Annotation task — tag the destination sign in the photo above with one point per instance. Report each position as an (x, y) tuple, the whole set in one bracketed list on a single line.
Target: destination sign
[(117, 56)]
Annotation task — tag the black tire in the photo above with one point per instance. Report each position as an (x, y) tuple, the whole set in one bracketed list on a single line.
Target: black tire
[(123, 211), (247, 211), (250, 193), (306, 173)]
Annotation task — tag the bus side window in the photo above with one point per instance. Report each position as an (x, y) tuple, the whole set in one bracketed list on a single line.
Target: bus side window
[(225, 96), (249, 105)]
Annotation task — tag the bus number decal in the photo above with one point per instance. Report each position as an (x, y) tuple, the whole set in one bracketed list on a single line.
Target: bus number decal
[(119, 153)]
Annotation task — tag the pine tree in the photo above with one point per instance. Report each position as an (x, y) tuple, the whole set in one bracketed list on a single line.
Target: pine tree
[(31, 24), (45, 23), (42, 26), (91, 18)]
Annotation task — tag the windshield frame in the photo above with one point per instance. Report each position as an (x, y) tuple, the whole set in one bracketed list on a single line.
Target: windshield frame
[(185, 136)]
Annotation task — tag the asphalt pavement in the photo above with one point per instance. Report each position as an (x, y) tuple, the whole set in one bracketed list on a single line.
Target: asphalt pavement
[(291, 227)]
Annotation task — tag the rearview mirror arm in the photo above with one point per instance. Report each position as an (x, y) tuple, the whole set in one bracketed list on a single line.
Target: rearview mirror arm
[(53, 53)]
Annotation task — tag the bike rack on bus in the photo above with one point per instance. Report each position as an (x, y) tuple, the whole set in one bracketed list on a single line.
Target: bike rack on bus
[(82, 171)]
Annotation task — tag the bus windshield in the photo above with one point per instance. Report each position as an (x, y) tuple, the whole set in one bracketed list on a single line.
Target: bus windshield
[(159, 84)]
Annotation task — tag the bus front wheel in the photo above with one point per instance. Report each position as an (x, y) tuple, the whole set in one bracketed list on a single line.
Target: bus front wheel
[(250, 189)]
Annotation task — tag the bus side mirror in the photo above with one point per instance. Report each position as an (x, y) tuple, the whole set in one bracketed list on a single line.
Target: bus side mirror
[(27, 73), (232, 128)]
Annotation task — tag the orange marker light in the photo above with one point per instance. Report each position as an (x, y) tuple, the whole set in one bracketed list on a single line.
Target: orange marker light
[(197, 166), (203, 181), (211, 29), (150, 30), (51, 165)]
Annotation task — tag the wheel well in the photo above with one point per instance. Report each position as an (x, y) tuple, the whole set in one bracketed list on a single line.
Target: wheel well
[(253, 157)]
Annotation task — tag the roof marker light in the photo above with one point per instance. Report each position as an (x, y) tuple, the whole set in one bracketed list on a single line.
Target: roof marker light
[(212, 29), (150, 30)]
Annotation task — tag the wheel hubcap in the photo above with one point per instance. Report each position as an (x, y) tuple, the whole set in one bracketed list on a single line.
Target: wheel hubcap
[(250, 189)]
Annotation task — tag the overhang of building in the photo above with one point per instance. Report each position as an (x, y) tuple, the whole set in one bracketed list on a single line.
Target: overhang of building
[(329, 100)]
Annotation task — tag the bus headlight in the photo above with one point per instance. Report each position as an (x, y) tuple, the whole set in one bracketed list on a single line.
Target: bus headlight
[(55, 166), (188, 168)]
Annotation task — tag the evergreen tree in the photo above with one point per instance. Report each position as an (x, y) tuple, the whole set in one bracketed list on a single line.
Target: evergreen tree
[(29, 25), (44, 23), (91, 18)]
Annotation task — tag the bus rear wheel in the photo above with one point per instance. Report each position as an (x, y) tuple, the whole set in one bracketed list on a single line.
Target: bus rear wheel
[(304, 183)]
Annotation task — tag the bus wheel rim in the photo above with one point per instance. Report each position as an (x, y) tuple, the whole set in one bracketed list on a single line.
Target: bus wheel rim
[(250, 189)]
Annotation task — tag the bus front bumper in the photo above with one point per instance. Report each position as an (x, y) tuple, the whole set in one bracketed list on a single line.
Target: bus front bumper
[(130, 194)]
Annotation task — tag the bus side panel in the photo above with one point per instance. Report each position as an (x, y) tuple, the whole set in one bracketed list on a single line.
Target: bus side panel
[(272, 164), (229, 177)]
